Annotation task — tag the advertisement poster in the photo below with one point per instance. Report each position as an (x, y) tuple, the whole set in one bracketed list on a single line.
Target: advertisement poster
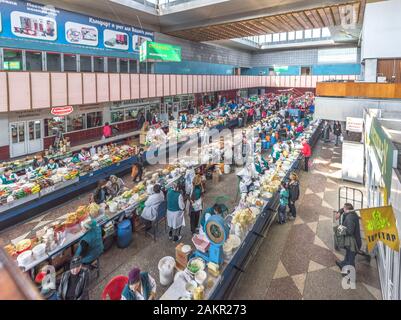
[(41, 27), (155, 51)]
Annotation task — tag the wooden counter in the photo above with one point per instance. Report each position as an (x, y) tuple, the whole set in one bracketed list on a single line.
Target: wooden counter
[(359, 89)]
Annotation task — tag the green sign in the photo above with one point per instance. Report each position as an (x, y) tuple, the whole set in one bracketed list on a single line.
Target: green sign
[(12, 65), (384, 150), (280, 69), (155, 51)]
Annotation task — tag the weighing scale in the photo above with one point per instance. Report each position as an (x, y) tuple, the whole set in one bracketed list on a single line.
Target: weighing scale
[(217, 232)]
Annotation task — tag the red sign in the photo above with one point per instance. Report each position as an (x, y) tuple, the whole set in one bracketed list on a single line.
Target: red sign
[(62, 111)]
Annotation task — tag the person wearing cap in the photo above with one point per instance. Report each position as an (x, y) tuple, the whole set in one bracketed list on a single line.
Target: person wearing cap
[(91, 244), (74, 283), (175, 212), (140, 286)]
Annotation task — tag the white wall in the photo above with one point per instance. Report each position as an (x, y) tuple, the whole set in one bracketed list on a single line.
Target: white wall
[(382, 30), (338, 109)]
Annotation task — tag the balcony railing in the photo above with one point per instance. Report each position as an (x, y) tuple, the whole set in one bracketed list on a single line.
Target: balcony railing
[(39, 90)]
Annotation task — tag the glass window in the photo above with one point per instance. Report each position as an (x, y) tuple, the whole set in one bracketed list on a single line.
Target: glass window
[(99, 64), (276, 37), (308, 33), (123, 66), (283, 36), (291, 35), (53, 125), (86, 64), (70, 62), (75, 122), (326, 32), (33, 61), (132, 66), (316, 33), (94, 119), (299, 35), (34, 130), (268, 38), (12, 60), (144, 67), (53, 62), (132, 113), (117, 116), (112, 65)]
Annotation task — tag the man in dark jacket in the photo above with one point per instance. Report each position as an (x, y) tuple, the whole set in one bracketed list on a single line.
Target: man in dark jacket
[(74, 283), (337, 131), (293, 187), (353, 241)]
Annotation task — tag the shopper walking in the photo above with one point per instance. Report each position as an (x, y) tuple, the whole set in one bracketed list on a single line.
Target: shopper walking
[(137, 167), (349, 230), (175, 213), (326, 131), (337, 131), (196, 203), (307, 153), (284, 195), (293, 188), (74, 283)]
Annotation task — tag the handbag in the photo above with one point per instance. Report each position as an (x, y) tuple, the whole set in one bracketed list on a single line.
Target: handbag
[(197, 205)]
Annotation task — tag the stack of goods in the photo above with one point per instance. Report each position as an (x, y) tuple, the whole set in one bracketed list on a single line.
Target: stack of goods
[(182, 254)]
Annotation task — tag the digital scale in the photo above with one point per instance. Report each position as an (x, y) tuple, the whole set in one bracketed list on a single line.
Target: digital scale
[(217, 232)]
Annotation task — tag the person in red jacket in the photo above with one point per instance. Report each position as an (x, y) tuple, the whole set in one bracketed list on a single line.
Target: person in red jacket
[(306, 152)]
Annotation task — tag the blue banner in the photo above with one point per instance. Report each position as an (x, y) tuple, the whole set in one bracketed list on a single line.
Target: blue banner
[(28, 25)]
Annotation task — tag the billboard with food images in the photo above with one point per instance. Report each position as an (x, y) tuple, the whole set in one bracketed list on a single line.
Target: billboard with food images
[(42, 27)]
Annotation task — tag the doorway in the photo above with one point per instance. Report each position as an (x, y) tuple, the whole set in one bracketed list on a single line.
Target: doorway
[(26, 137)]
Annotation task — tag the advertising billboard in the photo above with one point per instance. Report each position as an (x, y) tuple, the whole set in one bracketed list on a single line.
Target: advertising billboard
[(155, 51), (40, 27)]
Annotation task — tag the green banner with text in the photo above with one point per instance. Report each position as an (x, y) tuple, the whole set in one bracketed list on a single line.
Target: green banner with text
[(155, 51)]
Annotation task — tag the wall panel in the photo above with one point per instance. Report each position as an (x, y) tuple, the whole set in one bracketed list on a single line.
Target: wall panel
[(102, 87), (184, 83), (159, 85), (143, 86), (179, 84), (152, 85), (190, 84), (125, 87), (59, 89), (3, 92), (115, 90), (134, 86), (173, 84), (19, 91), (40, 88), (166, 85), (89, 88)]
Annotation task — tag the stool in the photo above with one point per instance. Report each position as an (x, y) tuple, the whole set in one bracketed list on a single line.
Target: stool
[(95, 265)]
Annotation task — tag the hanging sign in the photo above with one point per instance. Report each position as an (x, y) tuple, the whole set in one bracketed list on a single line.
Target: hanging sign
[(62, 111), (379, 225), (354, 124)]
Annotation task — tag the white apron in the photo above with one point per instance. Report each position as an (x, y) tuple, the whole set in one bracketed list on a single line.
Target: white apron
[(176, 219)]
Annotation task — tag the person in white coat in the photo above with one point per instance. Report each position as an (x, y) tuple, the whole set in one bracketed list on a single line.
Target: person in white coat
[(149, 213), (175, 213)]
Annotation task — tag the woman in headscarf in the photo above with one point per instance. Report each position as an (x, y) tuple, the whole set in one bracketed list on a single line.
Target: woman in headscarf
[(175, 213), (140, 286), (156, 197)]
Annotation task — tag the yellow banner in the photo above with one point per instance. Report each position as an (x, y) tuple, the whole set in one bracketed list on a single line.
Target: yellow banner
[(379, 225)]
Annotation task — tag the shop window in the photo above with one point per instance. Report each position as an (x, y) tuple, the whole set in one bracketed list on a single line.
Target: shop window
[(305, 71), (283, 36), (291, 36), (70, 62), (123, 66), (12, 60), (33, 61), (112, 65), (276, 37), (99, 64), (75, 122), (132, 114), (132, 66), (53, 125), (144, 67), (53, 62), (316, 33), (94, 119), (86, 64), (117, 116)]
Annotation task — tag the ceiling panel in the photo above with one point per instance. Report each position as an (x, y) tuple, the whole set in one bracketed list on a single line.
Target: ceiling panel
[(319, 17)]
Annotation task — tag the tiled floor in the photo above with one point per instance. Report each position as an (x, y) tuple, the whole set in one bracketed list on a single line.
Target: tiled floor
[(297, 260)]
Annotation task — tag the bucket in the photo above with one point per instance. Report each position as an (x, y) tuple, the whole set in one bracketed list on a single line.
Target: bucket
[(227, 169), (124, 234), (166, 270)]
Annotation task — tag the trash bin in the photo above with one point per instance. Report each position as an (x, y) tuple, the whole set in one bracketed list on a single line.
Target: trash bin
[(124, 234), (166, 270)]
